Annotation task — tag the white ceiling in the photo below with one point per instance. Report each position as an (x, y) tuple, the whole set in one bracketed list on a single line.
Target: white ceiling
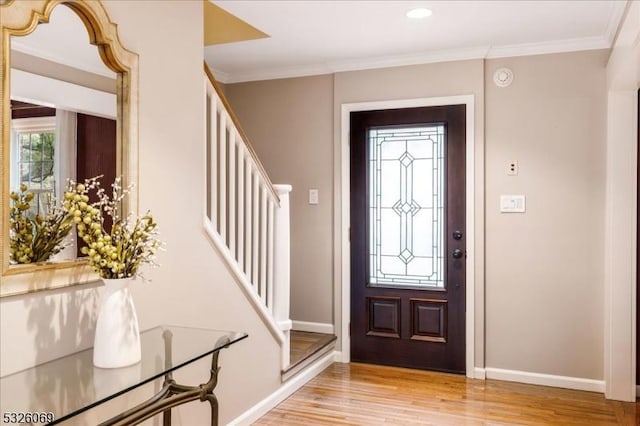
[(65, 40), (317, 37)]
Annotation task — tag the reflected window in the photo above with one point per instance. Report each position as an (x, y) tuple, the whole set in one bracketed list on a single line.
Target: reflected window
[(33, 151), (35, 159)]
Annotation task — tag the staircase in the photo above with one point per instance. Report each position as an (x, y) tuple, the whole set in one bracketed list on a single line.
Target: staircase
[(247, 217)]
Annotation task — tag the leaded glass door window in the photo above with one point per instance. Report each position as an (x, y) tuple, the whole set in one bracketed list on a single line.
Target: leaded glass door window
[(406, 205)]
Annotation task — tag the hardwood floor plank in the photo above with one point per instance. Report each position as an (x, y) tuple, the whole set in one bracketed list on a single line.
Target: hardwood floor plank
[(361, 394)]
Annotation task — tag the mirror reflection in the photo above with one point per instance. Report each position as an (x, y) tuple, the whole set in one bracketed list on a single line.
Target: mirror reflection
[(63, 115)]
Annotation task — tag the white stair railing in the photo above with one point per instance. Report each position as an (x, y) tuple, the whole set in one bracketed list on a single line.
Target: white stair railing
[(247, 217)]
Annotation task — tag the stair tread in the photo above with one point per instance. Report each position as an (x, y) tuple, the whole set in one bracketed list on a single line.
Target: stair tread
[(306, 344)]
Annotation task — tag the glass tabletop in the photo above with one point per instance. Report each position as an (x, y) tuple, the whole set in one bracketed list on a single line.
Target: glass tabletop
[(62, 388)]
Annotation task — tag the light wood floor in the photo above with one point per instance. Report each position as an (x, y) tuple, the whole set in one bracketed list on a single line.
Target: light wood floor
[(359, 394)]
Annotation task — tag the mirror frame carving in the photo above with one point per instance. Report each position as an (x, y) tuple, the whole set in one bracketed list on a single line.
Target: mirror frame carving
[(20, 18)]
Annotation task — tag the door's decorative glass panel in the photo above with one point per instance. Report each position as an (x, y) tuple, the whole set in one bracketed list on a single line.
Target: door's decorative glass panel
[(406, 206)]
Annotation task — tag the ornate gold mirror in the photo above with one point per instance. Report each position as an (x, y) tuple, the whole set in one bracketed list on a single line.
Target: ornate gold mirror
[(68, 109)]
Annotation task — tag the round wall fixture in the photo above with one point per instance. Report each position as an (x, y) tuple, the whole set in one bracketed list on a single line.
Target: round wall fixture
[(503, 77)]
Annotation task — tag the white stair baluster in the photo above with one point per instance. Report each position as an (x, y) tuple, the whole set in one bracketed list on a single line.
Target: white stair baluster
[(248, 209), (241, 195), (263, 246), (270, 252), (222, 176), (213, 159), (255, 207), (232, 193)]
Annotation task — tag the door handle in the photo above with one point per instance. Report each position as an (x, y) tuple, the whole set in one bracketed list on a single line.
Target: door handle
[(457, 235), (457, 254)]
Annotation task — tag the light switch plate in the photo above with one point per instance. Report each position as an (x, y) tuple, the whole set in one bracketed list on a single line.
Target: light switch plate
[(512, 204), (313, 196)]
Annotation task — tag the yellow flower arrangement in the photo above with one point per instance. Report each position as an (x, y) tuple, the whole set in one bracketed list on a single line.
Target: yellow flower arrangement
[(35, 238), (120, 252)]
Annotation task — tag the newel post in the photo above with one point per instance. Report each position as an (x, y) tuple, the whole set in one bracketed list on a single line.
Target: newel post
[(282, 268)]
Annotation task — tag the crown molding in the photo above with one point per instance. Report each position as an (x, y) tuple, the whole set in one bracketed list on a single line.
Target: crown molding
[(544, 48), (615, 18), (220, 76), (357, 65), (448, 55), (479, 52)]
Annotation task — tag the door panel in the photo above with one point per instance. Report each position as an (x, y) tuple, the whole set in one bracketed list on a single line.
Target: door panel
[(407, 219)]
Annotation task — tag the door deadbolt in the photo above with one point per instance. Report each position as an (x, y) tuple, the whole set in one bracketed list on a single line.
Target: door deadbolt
[(457, 235), (457, 254)]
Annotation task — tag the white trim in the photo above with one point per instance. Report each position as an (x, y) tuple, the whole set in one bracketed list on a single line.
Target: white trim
[(313, 327), (286, 390), (45, 91), (343, 235), (620, 346), (547, 47), (480, 373), (221, 76), (620, 247), (476, 52), (615, 18), (567, 382), (34, 124)]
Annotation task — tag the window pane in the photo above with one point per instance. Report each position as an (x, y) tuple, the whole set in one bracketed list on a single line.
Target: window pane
[(37, 152), (406, 206), (46, 176), (25, 147)]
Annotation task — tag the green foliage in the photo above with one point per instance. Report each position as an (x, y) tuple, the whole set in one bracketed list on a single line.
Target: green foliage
[(35, 238)]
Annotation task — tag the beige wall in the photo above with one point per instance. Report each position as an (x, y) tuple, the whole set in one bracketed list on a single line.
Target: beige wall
[(290, 125), (192, 286), (544, 269)]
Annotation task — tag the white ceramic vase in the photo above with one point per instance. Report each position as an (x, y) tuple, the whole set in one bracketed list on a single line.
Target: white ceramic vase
[(117, 339)]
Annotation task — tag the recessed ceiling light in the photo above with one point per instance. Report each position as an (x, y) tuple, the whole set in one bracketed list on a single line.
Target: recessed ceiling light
[(419, 13)]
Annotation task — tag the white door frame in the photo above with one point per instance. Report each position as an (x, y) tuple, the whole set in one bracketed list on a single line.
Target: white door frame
[(345, 284)]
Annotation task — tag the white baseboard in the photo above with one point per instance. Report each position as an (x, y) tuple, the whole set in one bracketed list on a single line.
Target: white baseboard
[(576, 383), (313, 327), (479, 373), (286, 390), (342, 357)]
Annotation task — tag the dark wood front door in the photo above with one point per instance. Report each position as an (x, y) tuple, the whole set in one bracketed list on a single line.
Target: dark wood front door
[(408, 237)]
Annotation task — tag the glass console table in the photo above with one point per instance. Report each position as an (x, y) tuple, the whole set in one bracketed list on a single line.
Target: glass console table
[(58, 390)]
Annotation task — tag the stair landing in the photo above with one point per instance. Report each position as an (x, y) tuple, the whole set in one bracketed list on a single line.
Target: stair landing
[(306, 347)]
